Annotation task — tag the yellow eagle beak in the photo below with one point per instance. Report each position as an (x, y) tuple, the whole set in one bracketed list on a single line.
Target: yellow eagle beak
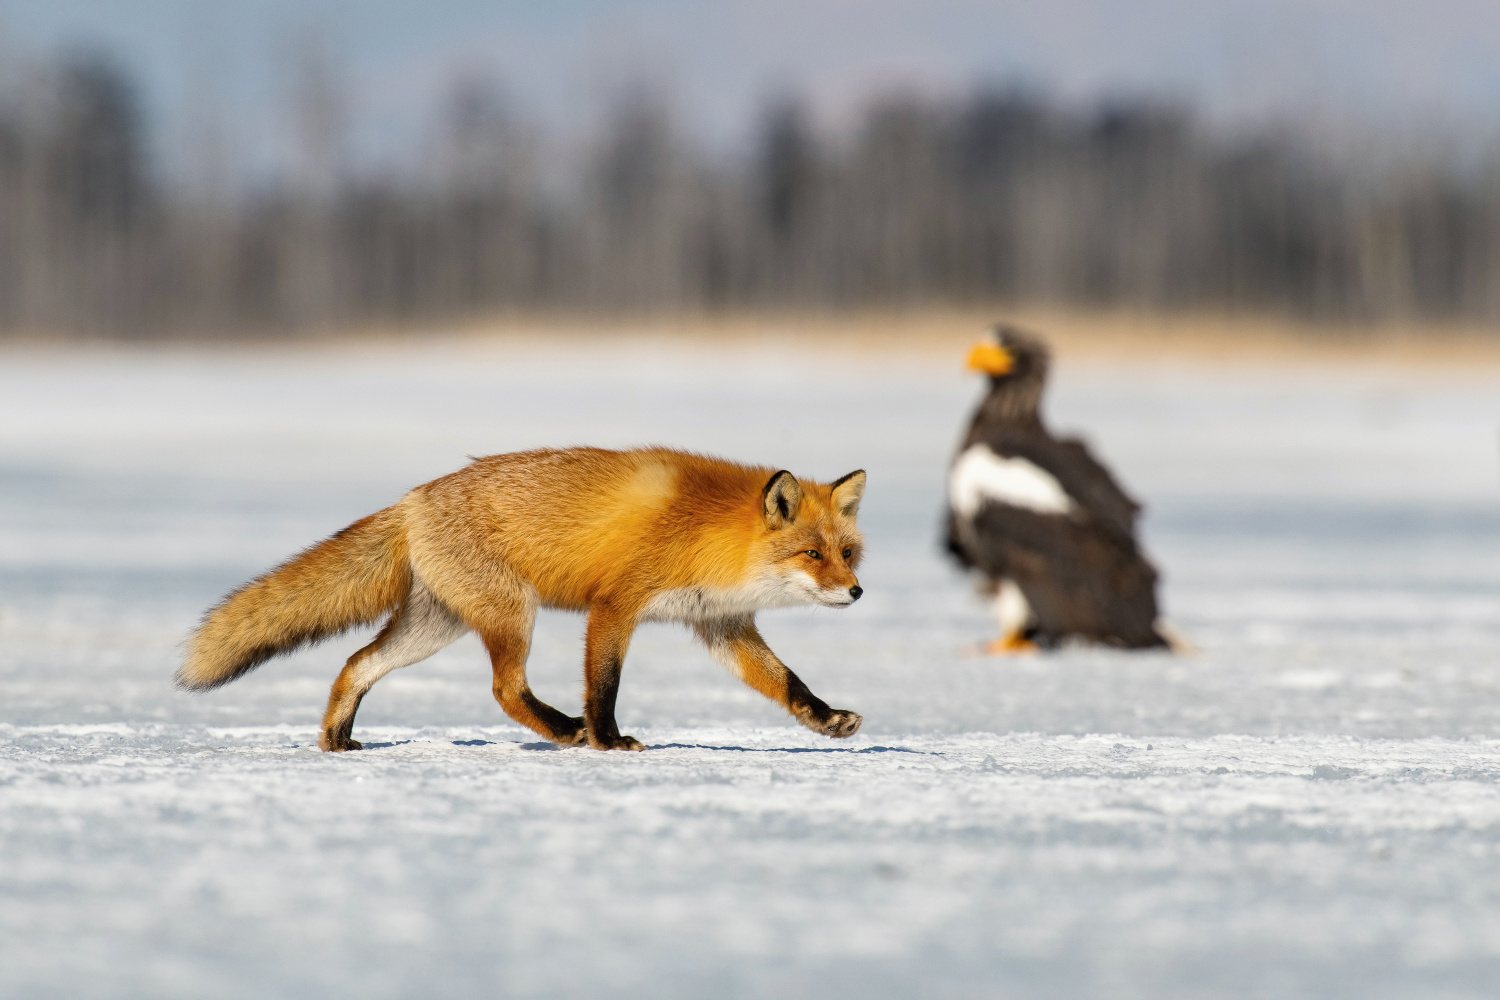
[(991, 359)]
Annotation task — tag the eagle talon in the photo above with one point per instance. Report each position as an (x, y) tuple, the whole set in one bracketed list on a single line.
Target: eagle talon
[(1011, 645), (1008, 645)]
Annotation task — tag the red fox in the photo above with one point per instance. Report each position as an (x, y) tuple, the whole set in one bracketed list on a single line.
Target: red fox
[(628, 536)]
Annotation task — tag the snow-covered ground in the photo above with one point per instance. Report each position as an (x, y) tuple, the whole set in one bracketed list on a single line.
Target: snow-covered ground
[(1310, 807)]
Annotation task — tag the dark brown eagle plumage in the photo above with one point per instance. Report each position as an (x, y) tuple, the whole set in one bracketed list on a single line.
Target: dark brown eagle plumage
[(1045, 523)]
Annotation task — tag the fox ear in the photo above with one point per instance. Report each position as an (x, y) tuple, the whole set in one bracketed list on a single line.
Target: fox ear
[(780, 498), (848, 491)]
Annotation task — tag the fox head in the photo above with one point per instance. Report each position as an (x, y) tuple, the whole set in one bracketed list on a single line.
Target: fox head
[(812, 541)]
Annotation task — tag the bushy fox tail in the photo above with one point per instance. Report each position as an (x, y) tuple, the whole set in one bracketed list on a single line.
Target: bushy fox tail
[(351, 579)]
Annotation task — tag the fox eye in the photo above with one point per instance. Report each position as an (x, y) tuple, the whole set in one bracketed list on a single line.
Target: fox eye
[(813, 554), (848, 553)]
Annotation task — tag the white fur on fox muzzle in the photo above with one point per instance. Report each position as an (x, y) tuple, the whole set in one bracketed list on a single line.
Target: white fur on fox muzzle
[(840, 598)]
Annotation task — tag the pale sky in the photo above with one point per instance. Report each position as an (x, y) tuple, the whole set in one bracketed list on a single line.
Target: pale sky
[(1379, 61)]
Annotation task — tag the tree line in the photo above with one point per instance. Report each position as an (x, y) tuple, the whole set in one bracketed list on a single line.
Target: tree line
[(999, 197)]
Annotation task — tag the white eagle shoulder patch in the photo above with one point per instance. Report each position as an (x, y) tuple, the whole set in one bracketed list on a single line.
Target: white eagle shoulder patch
[(980, 475)]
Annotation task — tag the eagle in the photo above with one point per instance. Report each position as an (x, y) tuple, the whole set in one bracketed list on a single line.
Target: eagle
[(1042, 521)]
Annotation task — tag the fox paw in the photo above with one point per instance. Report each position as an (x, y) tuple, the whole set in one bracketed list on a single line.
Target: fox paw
[(578, 736), (618, 743), (338, 744), (839, 723)]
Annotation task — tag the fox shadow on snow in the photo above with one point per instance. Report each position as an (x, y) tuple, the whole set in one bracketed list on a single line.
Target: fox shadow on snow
[(544, 746)]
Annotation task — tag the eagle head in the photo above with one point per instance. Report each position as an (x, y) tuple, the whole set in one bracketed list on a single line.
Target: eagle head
[(1016, 363)]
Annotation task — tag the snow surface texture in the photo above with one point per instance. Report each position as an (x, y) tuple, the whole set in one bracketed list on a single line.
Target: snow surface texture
[(1309, 807)]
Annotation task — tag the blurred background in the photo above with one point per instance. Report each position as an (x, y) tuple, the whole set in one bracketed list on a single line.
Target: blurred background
[(202, 169)]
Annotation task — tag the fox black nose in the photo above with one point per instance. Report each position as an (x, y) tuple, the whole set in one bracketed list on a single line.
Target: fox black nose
[(855, 591)]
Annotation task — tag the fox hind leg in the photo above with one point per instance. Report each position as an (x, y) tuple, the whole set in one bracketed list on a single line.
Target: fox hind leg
[(495, 602), (506, 632), (421, 626)]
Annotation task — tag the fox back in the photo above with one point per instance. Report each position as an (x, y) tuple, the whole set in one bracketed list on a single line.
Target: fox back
[(654, 529)]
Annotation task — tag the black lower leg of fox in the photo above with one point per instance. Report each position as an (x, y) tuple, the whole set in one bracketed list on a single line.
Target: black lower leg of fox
[(738, 646), (349, 689), (338, 723), (508, 648), (560, 728), (814, 713), (605, 643), (602, 682), (420, 626)]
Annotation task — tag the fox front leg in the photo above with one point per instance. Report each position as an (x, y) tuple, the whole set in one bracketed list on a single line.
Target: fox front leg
[(607, 638), (737, 644)]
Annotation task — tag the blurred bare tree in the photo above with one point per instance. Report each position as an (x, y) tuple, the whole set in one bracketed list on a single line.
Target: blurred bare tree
[(1003, 197), (312, 272), (79, 215), (790, 192), (637, 221)]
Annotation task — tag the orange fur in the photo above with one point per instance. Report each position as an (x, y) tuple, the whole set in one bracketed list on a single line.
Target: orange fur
[(351, 579), (627, 536)]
